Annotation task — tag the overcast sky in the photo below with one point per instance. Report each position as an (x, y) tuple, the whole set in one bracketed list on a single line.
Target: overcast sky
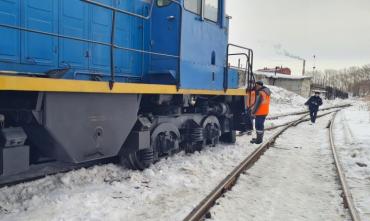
[(336, 31)]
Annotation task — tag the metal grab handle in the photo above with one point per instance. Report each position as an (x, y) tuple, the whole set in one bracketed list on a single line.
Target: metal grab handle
[(171, 18), (114, 10), (249, 66), (121, 10)]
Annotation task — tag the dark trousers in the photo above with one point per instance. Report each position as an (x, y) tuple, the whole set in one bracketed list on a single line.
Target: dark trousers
[(247, 121), (260, 123), (313, 115)]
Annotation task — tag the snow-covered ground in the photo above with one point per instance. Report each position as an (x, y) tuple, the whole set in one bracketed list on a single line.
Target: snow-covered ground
[(284, 101), (169, 190), (352, 138), (294, 180)]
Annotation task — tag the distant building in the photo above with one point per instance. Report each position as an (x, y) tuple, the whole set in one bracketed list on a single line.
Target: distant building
[(298, 84), (277, 70)]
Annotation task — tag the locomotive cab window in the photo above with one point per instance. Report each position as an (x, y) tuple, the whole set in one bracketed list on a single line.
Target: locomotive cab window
[(163, 3), (211, 10), (194, 6)]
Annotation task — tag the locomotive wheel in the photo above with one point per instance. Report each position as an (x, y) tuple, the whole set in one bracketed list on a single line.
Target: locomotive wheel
[(194, 137), (212, 131), (165, 140), (139, 160)]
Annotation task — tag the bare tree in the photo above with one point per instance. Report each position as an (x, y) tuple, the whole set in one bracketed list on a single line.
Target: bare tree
[(346, 79)]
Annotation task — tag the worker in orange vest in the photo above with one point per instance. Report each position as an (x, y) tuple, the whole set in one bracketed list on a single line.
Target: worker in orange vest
[(260, 110)]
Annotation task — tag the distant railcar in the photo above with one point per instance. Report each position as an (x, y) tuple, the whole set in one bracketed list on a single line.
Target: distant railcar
[(86, 81)]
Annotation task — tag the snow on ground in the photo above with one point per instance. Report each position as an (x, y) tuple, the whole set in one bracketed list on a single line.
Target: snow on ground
[(286, 119), (352, 138), (294, 180), (166, 191), (284, 101)]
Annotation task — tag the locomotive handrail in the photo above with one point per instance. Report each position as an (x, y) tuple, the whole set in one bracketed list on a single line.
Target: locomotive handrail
[(249, 67), (246, 65), (250, 51), (250, 76), (114, 10), (111, 44), (86, 40), (127, 12), (121, 10)]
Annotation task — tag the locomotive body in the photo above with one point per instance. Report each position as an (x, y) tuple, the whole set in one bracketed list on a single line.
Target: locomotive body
[(89, 81)]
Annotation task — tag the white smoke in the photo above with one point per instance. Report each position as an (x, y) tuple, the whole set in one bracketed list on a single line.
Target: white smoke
[(281, 51)]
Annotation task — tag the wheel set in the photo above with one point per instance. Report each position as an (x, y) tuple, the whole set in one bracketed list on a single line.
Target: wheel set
[(167, 139)]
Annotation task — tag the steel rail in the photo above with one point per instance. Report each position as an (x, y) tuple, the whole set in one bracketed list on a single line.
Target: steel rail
[(347, 196), (304, 112), (202, 209), (303, 120)]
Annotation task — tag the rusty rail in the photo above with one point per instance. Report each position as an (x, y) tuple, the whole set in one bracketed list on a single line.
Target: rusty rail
[(202, 209), (347, 196), (305, 112), (303, 120)]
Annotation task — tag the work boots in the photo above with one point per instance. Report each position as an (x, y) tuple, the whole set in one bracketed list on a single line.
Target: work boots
[(259, 138)]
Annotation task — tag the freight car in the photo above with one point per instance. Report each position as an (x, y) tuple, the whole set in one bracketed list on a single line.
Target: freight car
[(90, 81)]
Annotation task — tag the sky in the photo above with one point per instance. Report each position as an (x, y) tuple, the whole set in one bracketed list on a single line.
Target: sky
[(337, 32)]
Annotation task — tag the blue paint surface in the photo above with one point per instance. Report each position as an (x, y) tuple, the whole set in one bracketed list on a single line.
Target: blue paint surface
[(171, 30)]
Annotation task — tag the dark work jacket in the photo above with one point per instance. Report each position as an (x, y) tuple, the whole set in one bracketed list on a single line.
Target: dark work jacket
[(314, 103)]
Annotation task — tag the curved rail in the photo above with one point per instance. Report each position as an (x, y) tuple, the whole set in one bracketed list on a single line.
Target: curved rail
[(207, 203), (305, 112), (347, 196), (202, 209), (303, 120)]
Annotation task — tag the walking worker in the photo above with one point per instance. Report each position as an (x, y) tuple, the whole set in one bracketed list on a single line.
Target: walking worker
[(313, 104), (260, 110)]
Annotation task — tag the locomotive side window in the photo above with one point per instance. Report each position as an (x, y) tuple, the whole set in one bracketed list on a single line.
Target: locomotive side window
[(163, 3), (211, 10), (194, 6)]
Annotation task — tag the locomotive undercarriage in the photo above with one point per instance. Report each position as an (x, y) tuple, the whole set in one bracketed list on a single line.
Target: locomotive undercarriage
[(44, 132)]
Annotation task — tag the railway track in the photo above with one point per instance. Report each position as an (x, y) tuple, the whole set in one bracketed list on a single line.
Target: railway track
[(201, 211), (303, 120), (38, 173), (346, 195), (274, 117), (303, 113)]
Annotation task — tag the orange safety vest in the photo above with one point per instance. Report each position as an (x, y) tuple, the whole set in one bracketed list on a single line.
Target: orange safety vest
[(264, 108)]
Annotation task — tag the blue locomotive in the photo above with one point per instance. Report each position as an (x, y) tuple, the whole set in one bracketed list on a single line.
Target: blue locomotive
[(128, 81)]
